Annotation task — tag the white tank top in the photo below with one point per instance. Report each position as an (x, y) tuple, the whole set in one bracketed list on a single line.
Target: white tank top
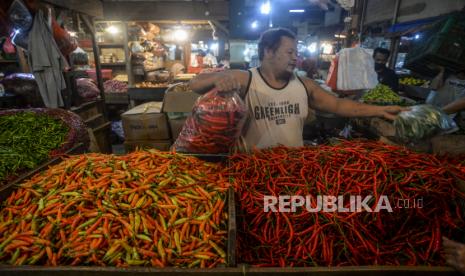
[(276, 116)]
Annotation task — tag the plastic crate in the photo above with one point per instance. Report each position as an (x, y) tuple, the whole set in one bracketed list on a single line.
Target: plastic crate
[(442, 44)]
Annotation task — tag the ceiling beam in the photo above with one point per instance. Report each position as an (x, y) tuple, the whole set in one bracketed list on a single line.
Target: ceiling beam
[(166, 10)]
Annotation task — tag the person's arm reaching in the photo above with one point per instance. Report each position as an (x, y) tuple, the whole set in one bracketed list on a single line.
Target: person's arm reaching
[(320, 100), (455, 106), (223, 81)]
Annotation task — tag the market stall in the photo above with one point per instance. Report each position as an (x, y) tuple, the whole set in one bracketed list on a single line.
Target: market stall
[(190, 196)]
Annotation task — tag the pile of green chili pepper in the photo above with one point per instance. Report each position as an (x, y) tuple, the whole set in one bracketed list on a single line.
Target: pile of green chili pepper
[(26, 140), (146, 208), (406, 236)]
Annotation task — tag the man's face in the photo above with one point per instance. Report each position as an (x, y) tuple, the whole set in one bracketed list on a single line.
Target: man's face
[(380, 61), (284, 59)]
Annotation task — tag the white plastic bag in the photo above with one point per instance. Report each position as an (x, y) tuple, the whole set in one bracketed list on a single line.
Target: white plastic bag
[(356, 70)]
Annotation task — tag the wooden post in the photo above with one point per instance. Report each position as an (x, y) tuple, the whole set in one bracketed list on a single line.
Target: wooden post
[(187, 54), (394, 47), (127, 54), (95, 48)]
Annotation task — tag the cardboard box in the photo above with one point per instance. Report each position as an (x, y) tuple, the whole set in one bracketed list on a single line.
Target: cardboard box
[(179, 101), (145, 122), (163, 145), (176, 126), (178, 106)]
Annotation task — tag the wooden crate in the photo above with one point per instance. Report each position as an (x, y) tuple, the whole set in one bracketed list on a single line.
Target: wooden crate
[(95, 121), (102, 135), (449, 144), (6, 270), (117, 98), (241, 270), (89, 110), (8, 188)]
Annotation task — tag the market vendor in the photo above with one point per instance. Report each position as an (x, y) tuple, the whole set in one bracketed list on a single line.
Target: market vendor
[(278, 100), (450, 90), (386, 76)]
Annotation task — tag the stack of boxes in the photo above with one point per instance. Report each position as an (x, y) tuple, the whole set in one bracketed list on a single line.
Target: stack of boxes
[(177, 105), (156, 124)]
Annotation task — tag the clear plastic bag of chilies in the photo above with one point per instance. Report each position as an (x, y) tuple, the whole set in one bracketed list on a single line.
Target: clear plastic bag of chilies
[(215, 124), (422, 122)]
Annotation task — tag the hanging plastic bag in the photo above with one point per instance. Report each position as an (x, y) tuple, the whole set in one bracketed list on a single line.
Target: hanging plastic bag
[(8, 47), (215, 124), (65, 42), (331, 81), (356, 70), (422, 122), (20, 17)]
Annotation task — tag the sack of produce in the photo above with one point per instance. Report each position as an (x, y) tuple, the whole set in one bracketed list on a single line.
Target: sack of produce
[(87, 89), (421, 122), (215, 124), (30, 137), (381, 95), (356, 70), (111, 86), (25, 86)]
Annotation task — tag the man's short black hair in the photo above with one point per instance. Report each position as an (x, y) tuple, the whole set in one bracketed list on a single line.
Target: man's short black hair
[(382, 51), (271, 39)]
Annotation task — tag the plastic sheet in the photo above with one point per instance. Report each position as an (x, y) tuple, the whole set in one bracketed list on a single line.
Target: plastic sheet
[(215, 124), (422, 122), (356, 70), (20, 17)]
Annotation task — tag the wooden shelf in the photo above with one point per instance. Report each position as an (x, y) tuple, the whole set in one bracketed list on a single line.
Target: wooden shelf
[(117, 64), (8, 61), (111, 45)]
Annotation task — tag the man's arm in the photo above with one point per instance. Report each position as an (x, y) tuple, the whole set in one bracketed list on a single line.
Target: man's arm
[(455, 106), (223, 81), (320, 100)]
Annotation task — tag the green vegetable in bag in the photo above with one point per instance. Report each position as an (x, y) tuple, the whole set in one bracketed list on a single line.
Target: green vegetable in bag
[(421, 122)]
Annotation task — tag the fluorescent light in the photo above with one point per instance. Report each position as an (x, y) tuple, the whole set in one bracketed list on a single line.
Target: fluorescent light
[(180, 35), (254, 24), (214, 46), (112, 29), (265, 8), (417, 36), (340, 36), (296, 11), (312, 47), (327, 48)]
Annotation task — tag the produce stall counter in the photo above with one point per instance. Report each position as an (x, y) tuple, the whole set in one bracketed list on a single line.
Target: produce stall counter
[(257, 174), (242, 270), (141, 95)]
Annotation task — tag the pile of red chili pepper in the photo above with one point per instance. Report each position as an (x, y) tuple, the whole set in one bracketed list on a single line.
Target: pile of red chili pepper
[(405, 236), (146, 208), (215, 124)]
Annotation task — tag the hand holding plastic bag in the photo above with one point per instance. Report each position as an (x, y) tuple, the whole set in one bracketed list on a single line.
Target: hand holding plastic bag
[(215, 124), (421, 122)]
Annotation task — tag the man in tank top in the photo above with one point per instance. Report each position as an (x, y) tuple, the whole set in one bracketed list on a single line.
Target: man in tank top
[(277, 99)]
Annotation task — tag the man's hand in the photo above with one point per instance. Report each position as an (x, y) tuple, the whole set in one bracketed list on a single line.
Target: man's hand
[(390, 112), (227, 82)]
